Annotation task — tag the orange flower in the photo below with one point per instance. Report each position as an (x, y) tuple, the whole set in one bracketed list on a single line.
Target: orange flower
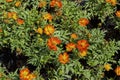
[(83, 21), (9, 0), (48, 16), (52, 42), (70, 46), (82, 45), (63, 58), (18, 3), (57, 3), (12, 15), (20, 21), (83, 53), (107, 67), (9, 15), (113, 2), (117, 71), (118, 13), (24, 73), (49, 29), (39, 30), (74, 36), (52, 47), (42, 4)]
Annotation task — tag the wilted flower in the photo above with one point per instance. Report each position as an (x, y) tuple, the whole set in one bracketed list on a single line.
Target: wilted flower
[(63, 58), (49, 29), (83, 21)]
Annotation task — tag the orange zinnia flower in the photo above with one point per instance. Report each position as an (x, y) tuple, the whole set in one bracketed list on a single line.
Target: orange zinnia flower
[(63, 58), (18, 3), (48, 16), (113, 2), (54, 3), (118, 13), (52, 42), (82, 45), (117, 71), (9, 0), (83, 21), (9, 14), (20, 21), (24, 73), (74, 36), (42, 4), (49, 29), (70, 46)]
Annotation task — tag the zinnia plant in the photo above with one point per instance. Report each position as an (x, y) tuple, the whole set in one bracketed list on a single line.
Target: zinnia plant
[(59, 39)]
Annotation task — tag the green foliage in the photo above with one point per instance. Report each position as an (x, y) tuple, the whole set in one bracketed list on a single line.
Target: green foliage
[(25, 38)]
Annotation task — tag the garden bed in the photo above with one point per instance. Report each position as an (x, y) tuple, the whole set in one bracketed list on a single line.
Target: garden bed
[(59, 40)]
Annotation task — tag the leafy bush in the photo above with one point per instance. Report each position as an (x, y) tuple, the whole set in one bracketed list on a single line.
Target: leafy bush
[(59, 39)]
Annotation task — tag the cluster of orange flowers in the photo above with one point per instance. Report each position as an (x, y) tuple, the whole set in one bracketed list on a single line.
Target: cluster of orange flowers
[(26, 75), (17, 3), (48, 30), (108, 67), (52, 42), (13, 15), (82, 46), (53, 3)]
